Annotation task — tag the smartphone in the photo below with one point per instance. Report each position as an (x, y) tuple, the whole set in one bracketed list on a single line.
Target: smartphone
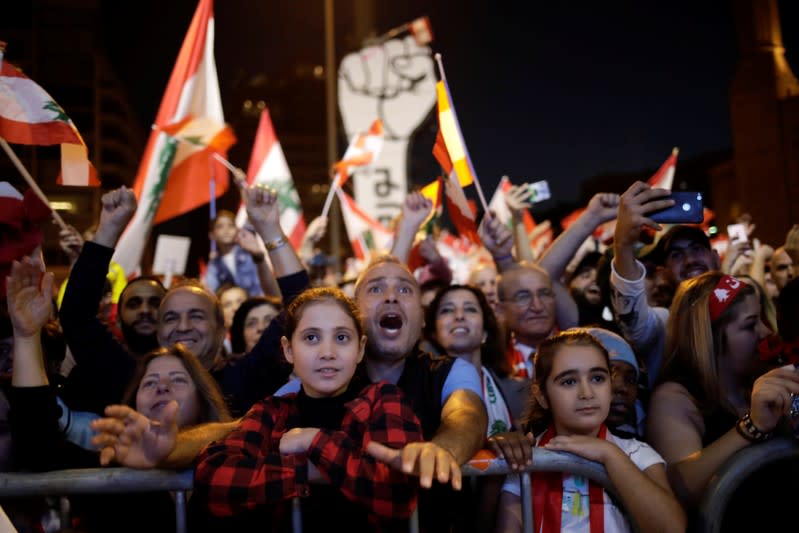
[(737, 233), (539, 191), (687, 209)]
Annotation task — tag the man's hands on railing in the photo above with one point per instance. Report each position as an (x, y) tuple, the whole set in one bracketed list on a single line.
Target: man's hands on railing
[(421, 459), (515, 447), (133, 440)]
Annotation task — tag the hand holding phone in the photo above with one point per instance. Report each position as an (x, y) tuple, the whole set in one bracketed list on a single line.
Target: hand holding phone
[(737, 233), (687, 209)]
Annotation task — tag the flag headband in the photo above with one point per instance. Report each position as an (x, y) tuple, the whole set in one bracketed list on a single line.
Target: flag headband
[(723, 295)]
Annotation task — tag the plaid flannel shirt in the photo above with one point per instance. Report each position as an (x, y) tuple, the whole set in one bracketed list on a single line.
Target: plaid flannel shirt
[(247, 470)]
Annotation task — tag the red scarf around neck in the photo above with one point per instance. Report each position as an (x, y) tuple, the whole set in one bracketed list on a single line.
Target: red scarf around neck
[(547, 489)]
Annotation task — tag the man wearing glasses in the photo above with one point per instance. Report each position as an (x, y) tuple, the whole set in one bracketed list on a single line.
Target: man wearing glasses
[(527, 301)]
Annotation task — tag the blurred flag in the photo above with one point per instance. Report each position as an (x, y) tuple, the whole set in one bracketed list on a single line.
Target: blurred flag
[(664, 177), (196, 134), (421, 30), (460, 212), (268, 165), (367, 235), (363, 149), (170, 181), (449, 146), (29, 115)]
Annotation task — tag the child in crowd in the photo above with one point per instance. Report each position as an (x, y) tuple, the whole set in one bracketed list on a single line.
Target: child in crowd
[(231, 263), (627, 413), (572, 397), (320, 432)]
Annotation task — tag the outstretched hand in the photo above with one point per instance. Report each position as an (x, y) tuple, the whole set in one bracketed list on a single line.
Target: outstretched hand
[(133, 440), (421, 459), (30, 296), (518, 198)]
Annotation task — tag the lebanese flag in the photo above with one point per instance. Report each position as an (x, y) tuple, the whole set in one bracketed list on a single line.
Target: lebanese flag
[(29, 115), (172, 179), (268, 166), (500, 208), (450, 138), (197, 134), (460, 212), (664, 177), (364, 148), (367, 235)]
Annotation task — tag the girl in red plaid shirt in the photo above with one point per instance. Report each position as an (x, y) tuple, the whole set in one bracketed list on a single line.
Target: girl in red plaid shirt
[(320, 433)]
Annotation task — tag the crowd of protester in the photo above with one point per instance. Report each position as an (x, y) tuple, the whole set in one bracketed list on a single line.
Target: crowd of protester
[(363, 396)]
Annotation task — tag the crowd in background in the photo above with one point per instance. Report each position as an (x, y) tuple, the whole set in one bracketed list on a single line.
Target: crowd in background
[(268, 374)]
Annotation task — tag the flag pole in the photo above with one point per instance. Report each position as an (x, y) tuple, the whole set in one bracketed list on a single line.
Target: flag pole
[(476, 181), (330, 193), (31, 181)]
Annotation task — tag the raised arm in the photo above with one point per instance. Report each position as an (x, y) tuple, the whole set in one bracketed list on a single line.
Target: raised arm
[(415, 211), (517, 200), (602, 208), (93, 346), (248, 241), (498, 240), (263, 210), (29, 292)]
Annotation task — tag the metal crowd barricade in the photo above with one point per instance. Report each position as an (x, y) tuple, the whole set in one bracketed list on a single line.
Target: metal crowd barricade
[(122, 480), (734, 472)]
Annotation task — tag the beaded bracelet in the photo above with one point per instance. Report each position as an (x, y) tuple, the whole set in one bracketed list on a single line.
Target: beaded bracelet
[(746, 428), (277, 243)]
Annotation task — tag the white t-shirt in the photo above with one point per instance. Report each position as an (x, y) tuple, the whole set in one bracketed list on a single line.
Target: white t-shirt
[(574, 510)]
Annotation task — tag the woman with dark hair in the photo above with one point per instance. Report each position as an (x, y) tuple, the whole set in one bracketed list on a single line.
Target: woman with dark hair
[(249, 321), (460, 323), (165, 376)]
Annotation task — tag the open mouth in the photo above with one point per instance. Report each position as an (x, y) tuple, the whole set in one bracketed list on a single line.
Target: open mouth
[(157, 407), (460, 330), (391, 322)]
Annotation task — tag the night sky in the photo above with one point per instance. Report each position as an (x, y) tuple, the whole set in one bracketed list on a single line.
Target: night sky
[(559, 93)]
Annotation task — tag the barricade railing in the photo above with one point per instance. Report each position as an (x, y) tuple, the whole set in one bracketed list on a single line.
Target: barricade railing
[(735, 472), (62, 483)]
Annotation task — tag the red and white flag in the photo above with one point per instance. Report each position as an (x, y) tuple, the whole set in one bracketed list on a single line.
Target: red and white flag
[(167, 184), (29, 115), (367, 235), (421, 30), (363, 149), (664, 177), (268, 166)]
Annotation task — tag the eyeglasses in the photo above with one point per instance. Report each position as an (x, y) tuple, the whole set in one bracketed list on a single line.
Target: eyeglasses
[(523, 299)]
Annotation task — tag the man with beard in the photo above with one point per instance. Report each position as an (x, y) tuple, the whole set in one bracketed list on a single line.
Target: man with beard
[(103, 365), (684, 252)]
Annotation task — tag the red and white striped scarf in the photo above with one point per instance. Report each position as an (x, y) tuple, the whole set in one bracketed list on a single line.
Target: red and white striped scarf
[(548, 495)]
